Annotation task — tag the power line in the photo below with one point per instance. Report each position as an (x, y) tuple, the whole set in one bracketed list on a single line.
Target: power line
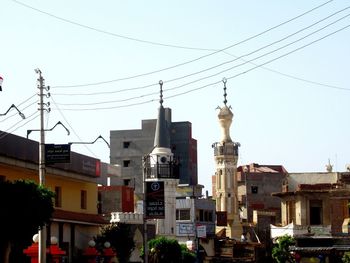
[(5, 133), (21, 109), (110, 33), (218, 65), (70, 126), (156, 43), (217, 82), (294, 77), (220, 72)]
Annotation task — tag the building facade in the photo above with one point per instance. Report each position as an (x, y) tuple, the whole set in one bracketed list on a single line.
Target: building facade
[(195, 212), (128, 147), (75, 220), (315, 212), (255, 185)]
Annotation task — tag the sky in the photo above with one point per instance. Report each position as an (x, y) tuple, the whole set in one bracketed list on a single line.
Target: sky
[(286, 64)]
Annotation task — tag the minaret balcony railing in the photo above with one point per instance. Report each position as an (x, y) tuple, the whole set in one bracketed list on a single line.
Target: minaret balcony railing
[(163, 171), (225, 149)]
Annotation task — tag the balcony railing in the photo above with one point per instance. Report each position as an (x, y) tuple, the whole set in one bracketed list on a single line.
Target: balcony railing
[(225, 149), (169, 170)]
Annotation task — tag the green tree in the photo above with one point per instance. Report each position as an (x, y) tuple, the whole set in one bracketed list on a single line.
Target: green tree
[(281, 252), (346, 257), (187, 255), (163, 250), (25, 208), (121, 238)]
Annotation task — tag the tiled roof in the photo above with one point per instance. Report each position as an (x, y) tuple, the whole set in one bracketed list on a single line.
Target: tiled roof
[(82, 218)]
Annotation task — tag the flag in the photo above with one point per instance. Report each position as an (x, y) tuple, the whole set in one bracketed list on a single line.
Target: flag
[(1, 80)]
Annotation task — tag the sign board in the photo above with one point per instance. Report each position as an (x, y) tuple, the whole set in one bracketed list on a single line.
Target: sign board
[(155, 205), (201, 231), (186, 229), (57, 153)]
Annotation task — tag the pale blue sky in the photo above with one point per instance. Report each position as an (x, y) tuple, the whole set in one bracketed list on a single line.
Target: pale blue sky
[(292, 111)]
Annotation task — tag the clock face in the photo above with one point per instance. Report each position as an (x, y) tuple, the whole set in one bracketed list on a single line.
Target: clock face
[(155, 186), (163, 159)]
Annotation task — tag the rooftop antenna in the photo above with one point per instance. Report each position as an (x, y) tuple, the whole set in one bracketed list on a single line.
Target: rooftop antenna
[(224, 80), (161, 93), (329, 167)]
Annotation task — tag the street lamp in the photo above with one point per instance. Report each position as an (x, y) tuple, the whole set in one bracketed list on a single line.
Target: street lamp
[(13, 106), (58, 123), (99, 137)]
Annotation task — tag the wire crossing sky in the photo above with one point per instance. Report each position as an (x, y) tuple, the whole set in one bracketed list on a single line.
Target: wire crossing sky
[(286, 66)]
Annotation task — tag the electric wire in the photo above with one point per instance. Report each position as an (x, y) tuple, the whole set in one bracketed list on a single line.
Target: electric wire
[(217, 73), (217, 65), (3, 134), (217, 82), (111, 33), (21, 109), (294, 77), (177, 65), (265, 63), (71, 128)]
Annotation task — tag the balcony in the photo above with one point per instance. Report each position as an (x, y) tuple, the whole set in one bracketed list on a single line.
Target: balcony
[(226, 149), (169, 170)]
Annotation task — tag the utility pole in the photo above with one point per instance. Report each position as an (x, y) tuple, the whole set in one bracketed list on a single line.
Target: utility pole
[(42, 231), (145, 237)]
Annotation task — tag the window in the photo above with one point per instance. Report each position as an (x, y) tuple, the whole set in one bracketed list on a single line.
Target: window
[(126, 144), (126, 182), (201, 215), (58, 196), (126, 163), (83, 199), (99, 203), (290, 211), (254, 189), (205, 215), (315, 212), (210, 216), (183, 214)]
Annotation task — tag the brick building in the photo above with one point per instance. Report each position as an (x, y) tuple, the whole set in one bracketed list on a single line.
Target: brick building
[(315, 212), (255, 185)]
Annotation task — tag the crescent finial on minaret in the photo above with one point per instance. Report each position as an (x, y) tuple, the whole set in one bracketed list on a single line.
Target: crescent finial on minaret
[(224, 80), (161, 92)]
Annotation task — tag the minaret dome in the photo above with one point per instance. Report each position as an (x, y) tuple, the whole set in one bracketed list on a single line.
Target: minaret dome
[(225, 118)]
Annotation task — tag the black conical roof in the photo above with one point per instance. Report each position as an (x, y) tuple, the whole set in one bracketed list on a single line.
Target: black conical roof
[(161, 137)]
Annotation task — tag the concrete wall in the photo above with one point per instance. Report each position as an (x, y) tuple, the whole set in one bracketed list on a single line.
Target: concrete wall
[(294, 179)]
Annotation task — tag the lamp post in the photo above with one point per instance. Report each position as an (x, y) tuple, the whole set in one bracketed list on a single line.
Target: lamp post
[(145, 238)]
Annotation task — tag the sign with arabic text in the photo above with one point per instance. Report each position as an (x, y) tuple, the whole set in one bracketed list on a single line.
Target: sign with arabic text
[(155, 205)]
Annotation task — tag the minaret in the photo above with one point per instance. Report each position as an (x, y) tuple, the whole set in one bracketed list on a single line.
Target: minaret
[(161, 166), (226, 156)]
